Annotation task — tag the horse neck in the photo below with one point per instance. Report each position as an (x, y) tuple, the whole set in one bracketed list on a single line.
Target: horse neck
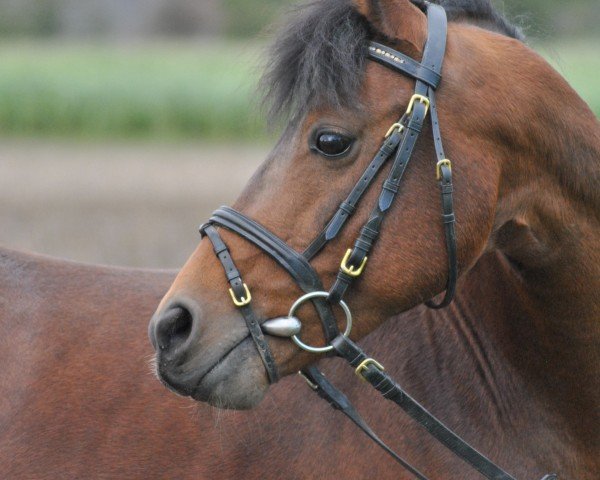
[(545, 243), (547, 226), (513, 363), (517, 352), (492, 368)]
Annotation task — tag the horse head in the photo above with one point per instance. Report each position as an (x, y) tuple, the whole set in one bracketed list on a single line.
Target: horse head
[(343, 112)]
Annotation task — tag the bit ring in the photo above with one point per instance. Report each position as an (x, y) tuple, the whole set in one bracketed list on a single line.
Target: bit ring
[(310, 296)]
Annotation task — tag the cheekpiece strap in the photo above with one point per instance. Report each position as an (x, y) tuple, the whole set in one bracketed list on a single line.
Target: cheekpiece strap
[(241, 297)]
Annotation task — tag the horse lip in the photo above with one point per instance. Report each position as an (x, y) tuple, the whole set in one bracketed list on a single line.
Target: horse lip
[(167, 374), (215, 365)]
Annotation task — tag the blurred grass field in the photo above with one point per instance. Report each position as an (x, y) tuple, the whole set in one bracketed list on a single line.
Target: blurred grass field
[(171, 91), (153, 91)]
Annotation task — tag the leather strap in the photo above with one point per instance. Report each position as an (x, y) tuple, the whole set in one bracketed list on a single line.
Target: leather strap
[(348, 206), (295, 264), (381, 381), (398, 61), (449, 220), (433, 55), (238, 288), (370, 231), (340, 402), (436, 40)]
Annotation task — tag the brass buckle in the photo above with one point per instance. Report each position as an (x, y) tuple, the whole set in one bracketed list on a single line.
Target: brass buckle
[(396, 126), (363, 366), (422, 99), (438, 167), (243, 301), (352, 270)]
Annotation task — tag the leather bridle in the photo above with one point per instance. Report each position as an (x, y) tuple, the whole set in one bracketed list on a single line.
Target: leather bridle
[(398, 145)]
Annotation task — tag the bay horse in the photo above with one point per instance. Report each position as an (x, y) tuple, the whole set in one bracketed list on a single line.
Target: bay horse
[(78, 399), (513, 364)]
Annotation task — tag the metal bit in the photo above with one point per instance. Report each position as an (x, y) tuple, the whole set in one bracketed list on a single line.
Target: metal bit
[(282, 327)]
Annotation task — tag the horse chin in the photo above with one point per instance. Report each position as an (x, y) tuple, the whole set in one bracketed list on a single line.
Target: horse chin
[(237, 382)]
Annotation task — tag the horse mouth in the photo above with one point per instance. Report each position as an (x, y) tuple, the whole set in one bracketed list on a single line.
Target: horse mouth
[(184, 379), (200, 392)]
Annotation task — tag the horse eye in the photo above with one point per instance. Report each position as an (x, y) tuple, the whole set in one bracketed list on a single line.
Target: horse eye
[(331, 144)]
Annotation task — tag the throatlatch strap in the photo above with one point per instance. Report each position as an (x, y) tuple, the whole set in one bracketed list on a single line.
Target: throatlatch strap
[(444, 171)]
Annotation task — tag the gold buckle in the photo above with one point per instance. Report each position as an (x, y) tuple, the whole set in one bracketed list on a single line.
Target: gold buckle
[(363, 366), (352, 270), (438, 167), (243, 300), (395, 126), (422, 99)]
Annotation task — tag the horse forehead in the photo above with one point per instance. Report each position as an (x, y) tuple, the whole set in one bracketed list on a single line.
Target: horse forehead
[(381, 90), (381, 85)]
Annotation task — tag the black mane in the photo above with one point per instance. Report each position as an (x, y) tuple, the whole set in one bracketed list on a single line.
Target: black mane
[(318, 59)]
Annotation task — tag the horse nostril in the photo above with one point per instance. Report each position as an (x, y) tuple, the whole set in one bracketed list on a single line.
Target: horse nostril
[(174, 328)]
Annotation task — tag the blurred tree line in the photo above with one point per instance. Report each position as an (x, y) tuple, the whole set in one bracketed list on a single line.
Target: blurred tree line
[(237, 18)]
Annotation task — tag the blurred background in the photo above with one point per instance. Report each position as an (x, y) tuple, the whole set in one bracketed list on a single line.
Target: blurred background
[(124, 123)]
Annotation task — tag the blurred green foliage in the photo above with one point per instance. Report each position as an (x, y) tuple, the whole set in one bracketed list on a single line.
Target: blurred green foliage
[(152, 90), (38, 18), (244, 18), (579, 62), (171, 91), (539, 18), (554, 18)]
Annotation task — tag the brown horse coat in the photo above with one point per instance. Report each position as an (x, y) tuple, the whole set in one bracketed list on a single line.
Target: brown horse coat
[(513, 363), (78, 399)]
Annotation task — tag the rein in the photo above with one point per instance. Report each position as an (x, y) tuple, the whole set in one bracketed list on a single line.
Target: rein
[(399, 144)]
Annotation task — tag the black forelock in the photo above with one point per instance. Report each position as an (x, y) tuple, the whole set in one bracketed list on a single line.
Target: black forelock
[(318, 56)]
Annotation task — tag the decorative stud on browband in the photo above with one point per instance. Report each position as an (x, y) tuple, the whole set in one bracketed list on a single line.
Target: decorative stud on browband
[(387, 54)]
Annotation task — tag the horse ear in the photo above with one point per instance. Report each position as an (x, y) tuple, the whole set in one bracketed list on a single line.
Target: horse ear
[(398, 20)]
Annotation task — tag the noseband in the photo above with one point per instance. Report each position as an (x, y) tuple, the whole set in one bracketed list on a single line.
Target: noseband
[(398, 145)]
